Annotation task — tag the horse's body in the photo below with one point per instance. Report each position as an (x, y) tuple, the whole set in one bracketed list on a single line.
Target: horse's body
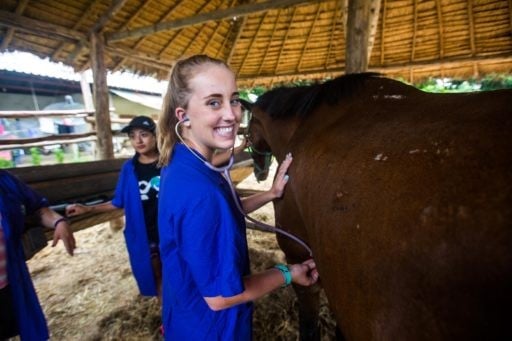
[(405, 198)]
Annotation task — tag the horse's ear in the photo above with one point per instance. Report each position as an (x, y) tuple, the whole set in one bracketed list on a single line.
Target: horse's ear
[(246, 104)]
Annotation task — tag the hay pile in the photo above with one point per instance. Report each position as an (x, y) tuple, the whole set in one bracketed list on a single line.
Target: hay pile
[(93, 296)]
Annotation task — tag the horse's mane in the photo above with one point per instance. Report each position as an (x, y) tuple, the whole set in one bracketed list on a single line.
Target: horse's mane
[(288, 101)]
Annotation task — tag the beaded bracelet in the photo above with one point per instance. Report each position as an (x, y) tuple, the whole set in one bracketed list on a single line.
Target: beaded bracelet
[(58, 221), (285, 271)]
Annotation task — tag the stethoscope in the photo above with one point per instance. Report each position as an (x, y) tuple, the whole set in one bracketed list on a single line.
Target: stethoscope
[(224, 171)]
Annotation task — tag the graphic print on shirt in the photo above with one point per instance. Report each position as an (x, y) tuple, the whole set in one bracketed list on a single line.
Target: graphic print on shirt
[(149, 188)]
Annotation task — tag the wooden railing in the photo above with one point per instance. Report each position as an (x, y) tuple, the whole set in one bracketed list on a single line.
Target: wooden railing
[(86, 182), (51, 139)]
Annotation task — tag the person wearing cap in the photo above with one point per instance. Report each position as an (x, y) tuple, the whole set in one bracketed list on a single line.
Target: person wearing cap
[(137, 193)]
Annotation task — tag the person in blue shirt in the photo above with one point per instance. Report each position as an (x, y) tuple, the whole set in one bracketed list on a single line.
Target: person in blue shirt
[(137, 192), (20, 311), (207, 286)]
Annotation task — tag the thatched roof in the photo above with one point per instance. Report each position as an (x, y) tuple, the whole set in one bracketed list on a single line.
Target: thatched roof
[(266, 41)]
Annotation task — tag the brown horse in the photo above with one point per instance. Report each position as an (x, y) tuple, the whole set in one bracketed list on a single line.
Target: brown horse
[(405, 198)]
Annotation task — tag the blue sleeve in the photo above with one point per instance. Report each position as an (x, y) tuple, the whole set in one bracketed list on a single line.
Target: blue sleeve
[(32, 200), (118, 199), (210, 244)]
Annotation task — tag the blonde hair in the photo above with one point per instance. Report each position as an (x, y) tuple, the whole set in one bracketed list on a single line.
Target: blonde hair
[(177, 95)]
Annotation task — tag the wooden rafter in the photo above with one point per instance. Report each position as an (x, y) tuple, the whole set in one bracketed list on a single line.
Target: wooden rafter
[(217, 28), (440, 28), (382, 32), (238, 11), (284, 40), (163, 17), (238, 29), (414, 29), (333, 29), (39, 28), (510, 14), (10, 31), (253, 39), (471, 27), (128, 23), (191, 41), (358, 26), (310, 33), (97, 28), (77, 24), (270, 42), (374, 21)]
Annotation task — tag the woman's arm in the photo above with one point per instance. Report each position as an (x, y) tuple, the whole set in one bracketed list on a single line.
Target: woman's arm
[(260, 284), (77, 209), (255, 201), (50, 218)]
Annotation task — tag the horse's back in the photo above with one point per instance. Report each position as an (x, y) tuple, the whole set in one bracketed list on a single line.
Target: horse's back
[(407, 197)]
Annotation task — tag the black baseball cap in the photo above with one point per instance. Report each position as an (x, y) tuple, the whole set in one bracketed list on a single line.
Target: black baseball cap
[(142, 122)]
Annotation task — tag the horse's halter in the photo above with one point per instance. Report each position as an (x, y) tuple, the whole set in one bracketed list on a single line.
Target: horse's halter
[(253, 151)]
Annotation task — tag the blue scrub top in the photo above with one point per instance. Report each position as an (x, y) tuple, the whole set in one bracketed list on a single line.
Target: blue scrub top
[(127, 196), (16, 200), (204, 252)]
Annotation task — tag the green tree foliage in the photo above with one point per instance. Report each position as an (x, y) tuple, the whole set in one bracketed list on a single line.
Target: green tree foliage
[(6, 163), (35, 154), (489, 82)]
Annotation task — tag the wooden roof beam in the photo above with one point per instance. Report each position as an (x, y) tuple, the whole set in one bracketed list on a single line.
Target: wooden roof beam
[(97, 28), (310, 33), (333, 29), (285, 39), (374, 22), (440, 28), (239, 11), (39, 28), (238, 29), (358, 27), (171, 41), (382, 69), (248, 50), (269, 43), (471, 28), (414, 29), (217, 27), (79, 22), (142, 39), (382, 30), (10, 31), (510, 14)]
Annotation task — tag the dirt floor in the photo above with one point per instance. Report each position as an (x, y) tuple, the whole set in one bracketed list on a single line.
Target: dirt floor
[(93, 296)]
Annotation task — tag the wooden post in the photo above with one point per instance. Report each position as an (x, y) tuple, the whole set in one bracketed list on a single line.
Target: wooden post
[(358, 32), (105, 146), (86, 93)]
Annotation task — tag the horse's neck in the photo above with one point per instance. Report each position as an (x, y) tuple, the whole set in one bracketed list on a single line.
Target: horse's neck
[(283, 129)]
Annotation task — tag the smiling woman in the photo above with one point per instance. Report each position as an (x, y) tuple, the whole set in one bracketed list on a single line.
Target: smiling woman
[(207, 283)]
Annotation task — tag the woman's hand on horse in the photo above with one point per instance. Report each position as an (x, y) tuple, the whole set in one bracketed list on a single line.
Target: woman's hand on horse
[(281, 178), (305, 273)]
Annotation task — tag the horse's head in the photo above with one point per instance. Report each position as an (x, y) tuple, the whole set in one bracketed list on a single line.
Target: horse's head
[(259, 148)]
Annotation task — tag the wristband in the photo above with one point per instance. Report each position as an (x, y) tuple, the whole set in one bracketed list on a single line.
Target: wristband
[(57, 222), (285, 271)]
